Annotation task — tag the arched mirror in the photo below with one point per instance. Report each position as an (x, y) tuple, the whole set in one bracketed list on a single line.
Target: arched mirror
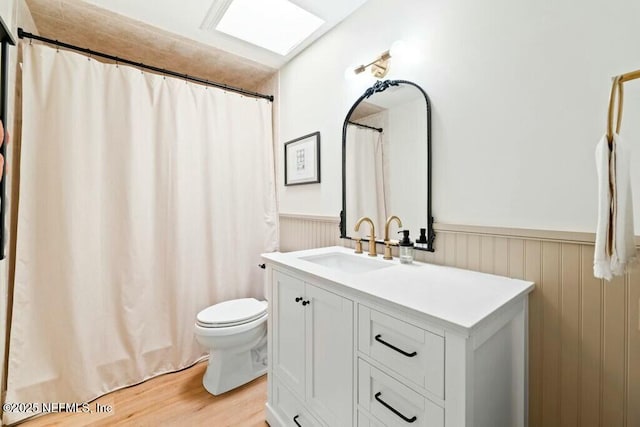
[(386, 160)]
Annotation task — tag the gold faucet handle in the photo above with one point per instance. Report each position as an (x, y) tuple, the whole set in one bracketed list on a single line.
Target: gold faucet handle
[(387, 250), (358, 246)]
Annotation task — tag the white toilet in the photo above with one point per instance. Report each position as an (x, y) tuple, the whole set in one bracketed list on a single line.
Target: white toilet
[(235, 332)]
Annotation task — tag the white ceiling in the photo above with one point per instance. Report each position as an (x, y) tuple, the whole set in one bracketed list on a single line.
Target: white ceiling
[(185, 17)]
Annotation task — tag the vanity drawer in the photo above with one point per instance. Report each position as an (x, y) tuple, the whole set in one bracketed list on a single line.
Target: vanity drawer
[(292, 409), (413, 353), (393, 403), (365, 420)]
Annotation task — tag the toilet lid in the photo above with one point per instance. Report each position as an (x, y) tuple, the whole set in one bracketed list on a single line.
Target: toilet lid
[(232, 312)]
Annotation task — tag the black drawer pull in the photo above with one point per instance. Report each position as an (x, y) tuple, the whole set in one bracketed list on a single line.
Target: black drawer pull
[(306, 302), (394, 410), (298, 299), (262, 266), (380, 340), (295, 420)]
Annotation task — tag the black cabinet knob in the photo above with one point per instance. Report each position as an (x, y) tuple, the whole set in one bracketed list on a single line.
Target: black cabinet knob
[(298, 299), (306, 302)]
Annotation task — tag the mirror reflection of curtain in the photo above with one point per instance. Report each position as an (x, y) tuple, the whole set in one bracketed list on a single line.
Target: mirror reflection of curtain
[(365, 171)]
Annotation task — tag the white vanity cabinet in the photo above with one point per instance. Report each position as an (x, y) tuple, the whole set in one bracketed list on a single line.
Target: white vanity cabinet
[(311, 352), (357, 344)]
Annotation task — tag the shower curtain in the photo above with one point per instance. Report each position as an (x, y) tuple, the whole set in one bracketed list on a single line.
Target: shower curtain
[(365, 178), (143, 199)]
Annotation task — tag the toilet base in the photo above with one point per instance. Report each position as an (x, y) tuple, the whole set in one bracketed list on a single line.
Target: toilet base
[(227, 370)]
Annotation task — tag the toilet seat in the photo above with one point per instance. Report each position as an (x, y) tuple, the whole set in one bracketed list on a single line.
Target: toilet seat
[(232, 313), (206, 331)]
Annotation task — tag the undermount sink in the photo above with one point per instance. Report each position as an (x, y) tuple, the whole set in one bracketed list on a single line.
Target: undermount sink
[(347, 263)]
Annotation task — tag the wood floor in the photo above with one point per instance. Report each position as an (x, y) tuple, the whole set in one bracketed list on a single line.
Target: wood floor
[(176, 399)]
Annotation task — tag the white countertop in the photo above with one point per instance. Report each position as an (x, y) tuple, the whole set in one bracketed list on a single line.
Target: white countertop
[(459, 297)]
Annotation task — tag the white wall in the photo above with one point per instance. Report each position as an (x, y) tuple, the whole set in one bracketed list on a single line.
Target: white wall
[(7, 8), (519, 92)]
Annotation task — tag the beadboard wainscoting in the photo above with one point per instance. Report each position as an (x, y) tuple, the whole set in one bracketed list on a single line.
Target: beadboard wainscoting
[(584, 333), (308, 231)]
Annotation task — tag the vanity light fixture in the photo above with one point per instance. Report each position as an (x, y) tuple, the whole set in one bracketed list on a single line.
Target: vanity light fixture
[(379, 66)]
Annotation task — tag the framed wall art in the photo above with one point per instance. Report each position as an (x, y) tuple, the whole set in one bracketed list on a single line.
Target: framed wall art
[(302, 160)]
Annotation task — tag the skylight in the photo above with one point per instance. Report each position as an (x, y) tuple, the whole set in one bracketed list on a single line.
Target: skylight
[(276, 25)]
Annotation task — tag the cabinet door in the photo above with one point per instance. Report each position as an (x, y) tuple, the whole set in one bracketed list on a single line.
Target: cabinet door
[(292, 410), (329, 325), (289, 331)]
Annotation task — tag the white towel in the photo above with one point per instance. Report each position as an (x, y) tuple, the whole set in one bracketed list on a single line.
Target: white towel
[(615, 242)]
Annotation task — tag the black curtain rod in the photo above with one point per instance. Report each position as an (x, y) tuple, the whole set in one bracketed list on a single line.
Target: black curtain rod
[(365, 126), (23, 34)]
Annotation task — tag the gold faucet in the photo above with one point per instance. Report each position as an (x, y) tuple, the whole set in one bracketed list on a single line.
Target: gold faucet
[(387, 242), (372, 242)]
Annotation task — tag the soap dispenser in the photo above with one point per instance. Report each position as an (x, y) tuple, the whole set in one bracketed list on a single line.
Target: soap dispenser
[(406, 248), (422, 241)]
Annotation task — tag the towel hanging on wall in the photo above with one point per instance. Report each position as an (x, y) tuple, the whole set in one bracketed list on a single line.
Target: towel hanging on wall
[(615, 241)]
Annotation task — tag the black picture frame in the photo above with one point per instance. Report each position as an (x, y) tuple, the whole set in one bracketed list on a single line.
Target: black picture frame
[(6, 39), (302, 160)]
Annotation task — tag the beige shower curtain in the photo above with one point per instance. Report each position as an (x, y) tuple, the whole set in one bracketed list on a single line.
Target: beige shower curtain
[(365, 178), (143, 199)]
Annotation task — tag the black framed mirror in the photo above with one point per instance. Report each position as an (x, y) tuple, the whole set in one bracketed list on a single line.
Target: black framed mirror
[(6, 39), (386, 160)]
